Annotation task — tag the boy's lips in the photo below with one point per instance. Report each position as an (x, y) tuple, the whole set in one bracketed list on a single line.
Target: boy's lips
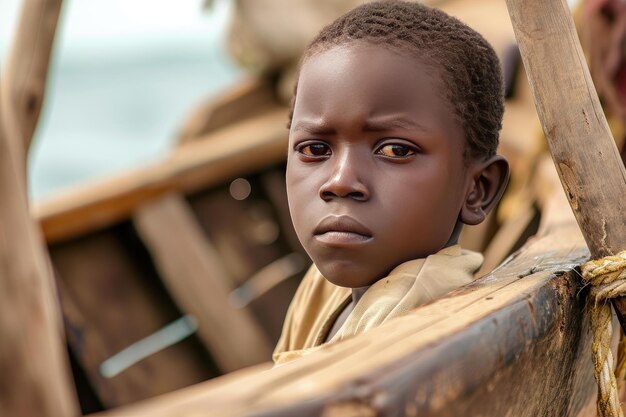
[(341, 230)]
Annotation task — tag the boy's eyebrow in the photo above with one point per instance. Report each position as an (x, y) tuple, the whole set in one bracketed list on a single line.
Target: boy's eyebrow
[(314, 128), (391, 123), (368, 126)]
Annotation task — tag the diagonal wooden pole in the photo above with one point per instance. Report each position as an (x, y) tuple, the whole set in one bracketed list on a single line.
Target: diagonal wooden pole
[(581, 144), (34, 370), (23, 77)]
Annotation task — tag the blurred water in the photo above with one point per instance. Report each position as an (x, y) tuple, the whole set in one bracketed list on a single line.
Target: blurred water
[(123, 75), (101, 117)]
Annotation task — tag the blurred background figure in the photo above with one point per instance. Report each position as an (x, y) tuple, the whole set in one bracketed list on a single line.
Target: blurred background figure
[(602, 24)]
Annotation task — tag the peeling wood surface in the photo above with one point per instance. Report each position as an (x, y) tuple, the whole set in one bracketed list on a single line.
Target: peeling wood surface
[(192, 270), (513, 343), (246, 147)]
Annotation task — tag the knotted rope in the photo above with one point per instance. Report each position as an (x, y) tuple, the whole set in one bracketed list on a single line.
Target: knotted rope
[(607, 277)]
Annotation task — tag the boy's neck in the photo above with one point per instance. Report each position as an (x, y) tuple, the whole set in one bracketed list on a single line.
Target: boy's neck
[(357, 294), (454, 239)]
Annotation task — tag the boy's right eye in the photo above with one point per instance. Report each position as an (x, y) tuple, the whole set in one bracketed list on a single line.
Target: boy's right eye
[(314, 150)]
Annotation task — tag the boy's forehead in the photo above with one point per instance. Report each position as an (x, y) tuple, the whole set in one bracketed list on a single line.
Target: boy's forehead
[(373, 79), (375, 56)]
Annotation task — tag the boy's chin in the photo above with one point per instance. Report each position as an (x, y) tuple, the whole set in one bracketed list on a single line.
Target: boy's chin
[(350, 276)]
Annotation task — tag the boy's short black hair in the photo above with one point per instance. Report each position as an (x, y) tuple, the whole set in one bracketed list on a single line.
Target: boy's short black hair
[(470, 67)]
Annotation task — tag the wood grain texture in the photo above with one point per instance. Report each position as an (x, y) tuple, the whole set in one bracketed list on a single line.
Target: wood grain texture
[(249, 146), (580, 141), (191, 268), (33, 363)]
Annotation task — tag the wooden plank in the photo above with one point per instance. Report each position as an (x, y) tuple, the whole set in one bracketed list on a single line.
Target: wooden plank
[(33, 362), (245, 232), (26, 70), (237, 150), (250, 234), (191, 268), (112, 298), (580, 141), (512, 343), (582, 147), (35, 379), (249, 98)]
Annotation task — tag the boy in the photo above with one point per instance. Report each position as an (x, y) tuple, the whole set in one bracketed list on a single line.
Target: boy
[(392, 142)]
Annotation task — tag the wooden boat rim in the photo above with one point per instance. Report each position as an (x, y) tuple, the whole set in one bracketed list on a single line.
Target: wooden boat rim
[(236, 150)]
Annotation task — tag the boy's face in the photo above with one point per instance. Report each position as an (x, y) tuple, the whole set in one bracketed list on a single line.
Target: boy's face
[(375, 170)]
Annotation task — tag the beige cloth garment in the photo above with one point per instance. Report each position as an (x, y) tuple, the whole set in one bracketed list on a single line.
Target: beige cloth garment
[(317, 302)]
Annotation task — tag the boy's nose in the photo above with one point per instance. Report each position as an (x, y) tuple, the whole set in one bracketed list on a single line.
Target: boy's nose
[(344, 181)]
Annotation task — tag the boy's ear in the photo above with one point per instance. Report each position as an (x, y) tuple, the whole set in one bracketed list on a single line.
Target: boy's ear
[(489, 179)]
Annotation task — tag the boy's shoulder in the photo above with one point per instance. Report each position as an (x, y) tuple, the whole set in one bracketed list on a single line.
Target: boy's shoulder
[(315, 302)]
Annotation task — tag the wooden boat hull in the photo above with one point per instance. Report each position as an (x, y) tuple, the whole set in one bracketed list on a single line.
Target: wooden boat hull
[(514, 343)]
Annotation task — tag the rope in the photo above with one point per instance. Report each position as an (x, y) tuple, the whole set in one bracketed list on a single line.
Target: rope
[(607, 277)]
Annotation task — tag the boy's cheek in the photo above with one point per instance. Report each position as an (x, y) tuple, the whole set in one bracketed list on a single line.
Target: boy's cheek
[(295, 169)]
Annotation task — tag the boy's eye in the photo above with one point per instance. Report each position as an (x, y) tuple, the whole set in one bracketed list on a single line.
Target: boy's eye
[(395, 150), (315, 149)]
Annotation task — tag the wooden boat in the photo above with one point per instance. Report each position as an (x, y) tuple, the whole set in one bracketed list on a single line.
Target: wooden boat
[(515, 342), (135, 253)]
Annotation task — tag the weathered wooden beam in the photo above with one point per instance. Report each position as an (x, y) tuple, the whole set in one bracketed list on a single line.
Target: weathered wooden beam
[(35, 378), (190, 267), (249, 98), (580, 141), (35, 371), (25, 72), (251, 145)]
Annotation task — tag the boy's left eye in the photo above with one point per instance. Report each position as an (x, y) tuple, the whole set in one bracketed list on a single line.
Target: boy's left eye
[(314, 150), (395, 150)]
